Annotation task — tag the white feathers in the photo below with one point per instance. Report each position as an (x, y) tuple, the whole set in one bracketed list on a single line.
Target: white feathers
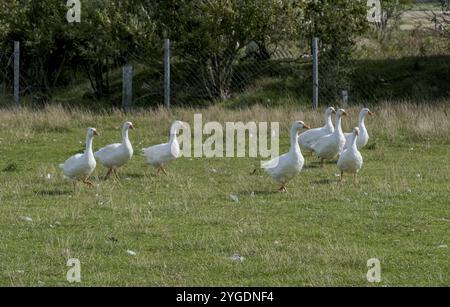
[(284, 168), (117, 155), (81, 166), (363, 137), (309, 137), (351, 160), (329, 146), (162, 154)]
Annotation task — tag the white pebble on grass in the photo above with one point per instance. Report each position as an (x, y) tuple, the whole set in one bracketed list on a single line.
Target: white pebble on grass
[(234, 198), (26, 218), (131, 253), (237, 258), (443, 246)]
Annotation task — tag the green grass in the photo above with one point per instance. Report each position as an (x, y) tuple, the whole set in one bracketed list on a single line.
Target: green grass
[(408, 78), (184, 227), (426, 6)]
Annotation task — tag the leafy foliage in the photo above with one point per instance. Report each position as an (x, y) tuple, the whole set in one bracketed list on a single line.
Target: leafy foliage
[(211, 34)]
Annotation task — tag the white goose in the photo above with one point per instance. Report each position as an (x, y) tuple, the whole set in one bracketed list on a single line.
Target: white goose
[(329, 146), (79, 167), (284, 168), (351, 160), (308, 138), (116, 155), (160, 155), (363, 137)]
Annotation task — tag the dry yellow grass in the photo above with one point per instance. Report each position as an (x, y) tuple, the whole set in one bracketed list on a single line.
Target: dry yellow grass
[(399, 121)]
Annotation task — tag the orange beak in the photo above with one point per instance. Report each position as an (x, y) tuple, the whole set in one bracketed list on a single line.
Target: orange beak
[(306, 126), (131, 127), (334, 112), (371, 113), (96, 133), (345, 114)]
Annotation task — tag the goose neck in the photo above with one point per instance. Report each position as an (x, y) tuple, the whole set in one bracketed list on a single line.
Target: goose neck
[(362, 118), (354, 139), (339, 124), (173, 137), (125, 138), (295, 147), (89, 140), (329, 122)]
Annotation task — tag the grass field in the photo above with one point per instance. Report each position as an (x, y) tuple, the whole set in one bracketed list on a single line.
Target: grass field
[(185, 227)]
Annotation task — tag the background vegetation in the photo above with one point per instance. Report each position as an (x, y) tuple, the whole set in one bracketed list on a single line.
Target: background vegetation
[(213, 60)]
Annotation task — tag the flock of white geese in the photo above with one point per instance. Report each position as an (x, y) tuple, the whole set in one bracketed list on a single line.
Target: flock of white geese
[(327, 143)]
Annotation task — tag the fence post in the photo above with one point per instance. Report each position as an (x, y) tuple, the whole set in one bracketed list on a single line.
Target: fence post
[(344, 96), (17, 73), (127, 86), (315, 55), (167, 72)]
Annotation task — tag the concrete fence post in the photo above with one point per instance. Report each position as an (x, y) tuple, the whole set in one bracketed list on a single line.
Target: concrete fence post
[(17, 73), (315, 73), (167, 72), (127, 87)]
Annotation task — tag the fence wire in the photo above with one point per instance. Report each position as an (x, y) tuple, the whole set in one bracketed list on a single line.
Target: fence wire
[(405, 59)]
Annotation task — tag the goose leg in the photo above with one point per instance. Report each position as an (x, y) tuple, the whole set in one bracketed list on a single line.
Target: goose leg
[(342, 177), (116, 172), (164, 171), (108, 174), (87, 182), (158, 171), (282, 189), (322, 162), (356, 178)]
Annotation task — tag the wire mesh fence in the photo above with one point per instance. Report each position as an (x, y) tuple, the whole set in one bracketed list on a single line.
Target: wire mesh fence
[(205, 79), (405, 57), (6, 61)]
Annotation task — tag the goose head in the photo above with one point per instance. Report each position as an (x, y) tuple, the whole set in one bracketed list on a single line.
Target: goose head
[(92, 132), (297, 126), (330, 111), (365, 112), (177, 126), (128, 125), (341, 112)]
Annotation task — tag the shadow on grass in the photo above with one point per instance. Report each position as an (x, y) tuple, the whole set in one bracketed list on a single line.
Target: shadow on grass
[(53, 192), (132, 175), (325, 181), (312, 166)]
